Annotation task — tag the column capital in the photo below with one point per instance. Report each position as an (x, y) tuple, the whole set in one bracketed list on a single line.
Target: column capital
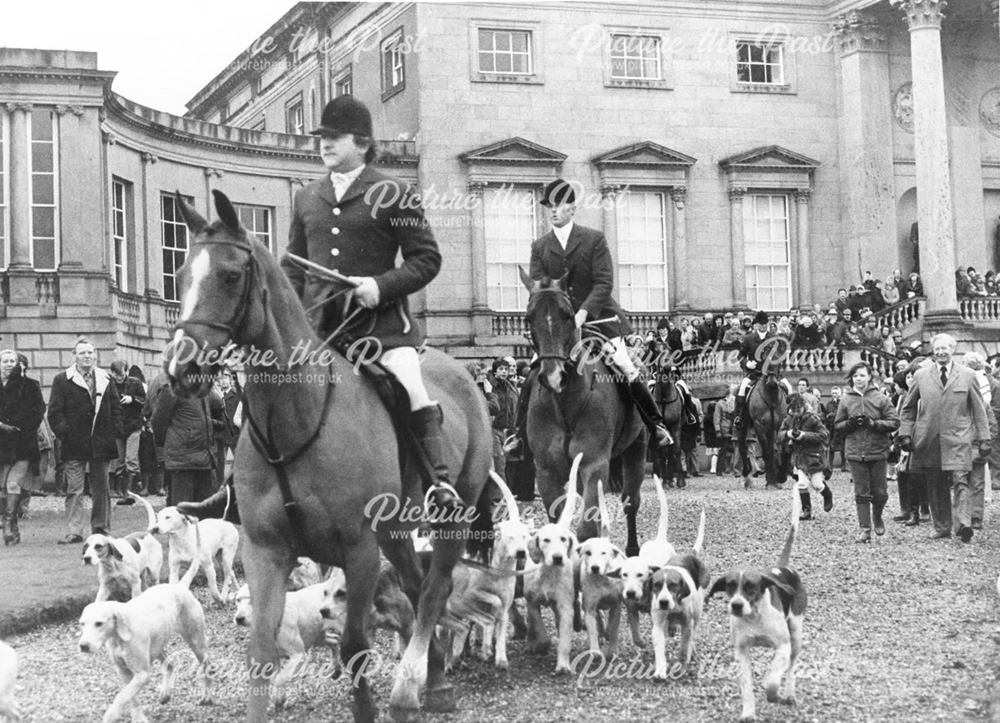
[(678, 194), (12, 107), (922, 14), (63, 109), (802, 195), (609, 191), (736, 193), (476, 188), (109, 138), (148, 157), (209, 172), (859, 31)]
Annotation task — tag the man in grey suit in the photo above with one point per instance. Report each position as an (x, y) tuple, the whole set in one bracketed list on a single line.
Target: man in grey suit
[(943, 417), (582, 254)]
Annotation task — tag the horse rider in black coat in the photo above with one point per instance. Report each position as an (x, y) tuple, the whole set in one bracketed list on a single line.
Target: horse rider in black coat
[(752, 363), (582, 254), (355, 221)]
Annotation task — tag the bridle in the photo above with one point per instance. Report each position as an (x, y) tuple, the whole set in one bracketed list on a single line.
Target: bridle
[(563, 296), (251, 271)]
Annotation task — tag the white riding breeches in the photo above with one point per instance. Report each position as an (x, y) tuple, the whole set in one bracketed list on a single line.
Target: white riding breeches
[(621, 358), (404, 362)]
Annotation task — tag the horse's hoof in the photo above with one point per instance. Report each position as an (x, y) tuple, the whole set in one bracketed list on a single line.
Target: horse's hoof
[(440, 699), (403, 715), (746, 483), (539, 647)]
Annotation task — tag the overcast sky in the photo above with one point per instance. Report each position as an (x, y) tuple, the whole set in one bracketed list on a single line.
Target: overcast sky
[(163, 52)]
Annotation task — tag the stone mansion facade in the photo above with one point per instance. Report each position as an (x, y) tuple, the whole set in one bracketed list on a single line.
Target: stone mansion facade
[(754, 154)]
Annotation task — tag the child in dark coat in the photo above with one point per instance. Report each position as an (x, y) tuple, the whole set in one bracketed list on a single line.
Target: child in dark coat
[(804, 432)]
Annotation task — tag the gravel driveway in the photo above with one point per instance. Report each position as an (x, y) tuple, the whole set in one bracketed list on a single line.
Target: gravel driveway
[(904, 629)]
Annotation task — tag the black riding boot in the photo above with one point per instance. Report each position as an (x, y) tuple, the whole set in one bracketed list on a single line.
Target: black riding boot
[(221, 505), (877, 507), (426, 427), (518, 447), (827, 497), (739, 411), (13, 534), (807, 509), (648, 411)]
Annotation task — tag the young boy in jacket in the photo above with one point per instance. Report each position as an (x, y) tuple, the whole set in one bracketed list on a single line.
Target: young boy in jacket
[(805, 433)]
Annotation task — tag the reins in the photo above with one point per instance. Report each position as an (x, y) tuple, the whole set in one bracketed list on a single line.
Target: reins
[(264, 444)]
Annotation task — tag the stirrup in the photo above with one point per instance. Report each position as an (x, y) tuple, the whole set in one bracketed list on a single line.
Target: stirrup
[(445, 486)]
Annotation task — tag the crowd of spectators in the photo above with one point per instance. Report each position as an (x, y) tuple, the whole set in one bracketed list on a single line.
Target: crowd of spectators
[(851, 320), (970, 283)]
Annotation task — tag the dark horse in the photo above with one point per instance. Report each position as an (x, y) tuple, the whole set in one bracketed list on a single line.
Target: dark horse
[(668, 461), (766, 409), (575, 407), (318, 431)]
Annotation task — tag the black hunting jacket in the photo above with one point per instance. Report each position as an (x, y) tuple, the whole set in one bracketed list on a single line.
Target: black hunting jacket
[(591, 276), (360, 235)]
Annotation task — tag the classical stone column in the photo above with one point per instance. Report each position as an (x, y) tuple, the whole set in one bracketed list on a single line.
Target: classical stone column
[(930, 128), (802, 245), (736, 194), (20, 187), (609, 213), (867, 172), (678, 194), (482, 325)]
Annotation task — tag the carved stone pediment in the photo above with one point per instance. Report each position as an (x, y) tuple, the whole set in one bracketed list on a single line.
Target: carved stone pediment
[(644, 154), (513, 151)]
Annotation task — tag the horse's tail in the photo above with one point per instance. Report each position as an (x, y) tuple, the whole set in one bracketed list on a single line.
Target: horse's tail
[(786, 553), (480, 542)]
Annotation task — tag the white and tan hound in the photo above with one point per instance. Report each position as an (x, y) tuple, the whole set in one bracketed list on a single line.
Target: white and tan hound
[(766, 609), (677, 598), (597, 557), (197, 543), (138, 632), (554, 546)]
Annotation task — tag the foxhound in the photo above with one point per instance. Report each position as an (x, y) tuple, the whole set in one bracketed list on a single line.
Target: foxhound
[(391, 608), (635, 572), (554, 546), (302, 628), (305, 573), (8, 677), (598, 557), (138, 632), (490, 593), (677, 597), (196, 544), (766, 609)]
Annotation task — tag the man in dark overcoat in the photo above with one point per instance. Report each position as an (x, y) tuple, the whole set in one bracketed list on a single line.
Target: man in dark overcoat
[(943, 418), (582, 255), (85, 414), (355, 220)]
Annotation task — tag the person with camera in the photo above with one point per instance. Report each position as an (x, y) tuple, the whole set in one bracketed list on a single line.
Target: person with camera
[(804, 432), (867, 419)]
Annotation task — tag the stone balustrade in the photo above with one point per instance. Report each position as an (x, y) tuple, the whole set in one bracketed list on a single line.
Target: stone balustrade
[(980, 308)]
